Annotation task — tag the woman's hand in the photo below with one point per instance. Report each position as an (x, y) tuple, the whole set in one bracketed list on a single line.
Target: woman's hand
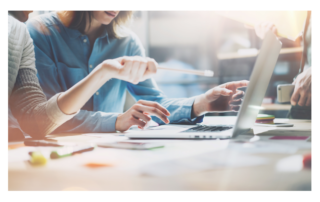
[(262, 28), (132, 69), (139, 113)]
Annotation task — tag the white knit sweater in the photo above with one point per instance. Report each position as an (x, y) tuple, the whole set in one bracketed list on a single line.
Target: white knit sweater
[(27, 102)]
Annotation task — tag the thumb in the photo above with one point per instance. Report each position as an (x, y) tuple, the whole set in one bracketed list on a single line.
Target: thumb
[(121, 60)]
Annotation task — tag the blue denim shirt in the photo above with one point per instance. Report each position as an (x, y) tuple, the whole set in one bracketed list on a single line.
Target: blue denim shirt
[(63, 59)]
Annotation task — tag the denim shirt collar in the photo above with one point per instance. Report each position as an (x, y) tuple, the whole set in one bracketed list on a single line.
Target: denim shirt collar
[(76, 33), (73, 33)]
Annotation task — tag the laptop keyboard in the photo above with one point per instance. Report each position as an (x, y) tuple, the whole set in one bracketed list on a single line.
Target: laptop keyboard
[(206, 129)]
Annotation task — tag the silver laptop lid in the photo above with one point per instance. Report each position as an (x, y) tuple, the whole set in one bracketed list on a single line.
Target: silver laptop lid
[(259, 81)]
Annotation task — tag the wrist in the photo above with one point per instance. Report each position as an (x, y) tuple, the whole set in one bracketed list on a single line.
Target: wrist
[(118, 124), (102, 73), (198, 107)]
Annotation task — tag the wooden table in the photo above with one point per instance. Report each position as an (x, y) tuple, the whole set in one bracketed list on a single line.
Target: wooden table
[(70, 174)]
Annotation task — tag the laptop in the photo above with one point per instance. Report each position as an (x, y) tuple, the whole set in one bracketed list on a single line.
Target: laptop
[(259, 80)]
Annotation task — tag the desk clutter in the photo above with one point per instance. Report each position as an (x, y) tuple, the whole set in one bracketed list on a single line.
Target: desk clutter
[(162, 158), (77, 160), (265, 119)]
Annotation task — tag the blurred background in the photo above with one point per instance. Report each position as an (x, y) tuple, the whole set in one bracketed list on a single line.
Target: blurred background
[(206, 40)]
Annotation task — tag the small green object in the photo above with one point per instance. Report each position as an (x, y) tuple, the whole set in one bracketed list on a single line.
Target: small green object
[(55, 155), (37, 159), (265, 116)]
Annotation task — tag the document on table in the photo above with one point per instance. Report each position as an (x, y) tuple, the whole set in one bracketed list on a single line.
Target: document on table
[(261, 147), (206, 161), (267, 144), (19, 154)]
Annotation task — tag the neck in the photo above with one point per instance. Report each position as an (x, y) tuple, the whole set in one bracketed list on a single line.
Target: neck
[(65, 17), (94, 30)]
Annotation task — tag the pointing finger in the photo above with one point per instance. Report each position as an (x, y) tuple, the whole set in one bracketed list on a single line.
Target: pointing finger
[(225, 92), (240, 84)]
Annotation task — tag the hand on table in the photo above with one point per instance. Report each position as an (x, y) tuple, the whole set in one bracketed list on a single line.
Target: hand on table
[(222, 98), (139, 113), (132, 69), (262, 28), (302, 89)]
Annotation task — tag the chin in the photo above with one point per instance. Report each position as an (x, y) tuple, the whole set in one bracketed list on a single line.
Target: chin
[(106, 22), (24, 18)]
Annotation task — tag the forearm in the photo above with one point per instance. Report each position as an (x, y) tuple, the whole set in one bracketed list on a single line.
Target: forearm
[(73, 99), (89, 122), (36, 116)]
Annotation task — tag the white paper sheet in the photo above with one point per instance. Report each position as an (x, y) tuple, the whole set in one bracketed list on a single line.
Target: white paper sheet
[(207, 161)]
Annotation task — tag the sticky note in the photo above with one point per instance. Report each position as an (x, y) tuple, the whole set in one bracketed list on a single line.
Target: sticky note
[(15, 146)]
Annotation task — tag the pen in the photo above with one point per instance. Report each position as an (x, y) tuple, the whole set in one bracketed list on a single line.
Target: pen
[(41, 143), (69, 152), (207, 73)]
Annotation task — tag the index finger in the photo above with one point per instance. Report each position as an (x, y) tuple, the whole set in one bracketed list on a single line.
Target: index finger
[(240, 84), (156, 105)]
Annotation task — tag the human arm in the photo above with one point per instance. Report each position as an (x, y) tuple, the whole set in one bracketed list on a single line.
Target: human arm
[(302, 89), (182, 109), (57, 75)]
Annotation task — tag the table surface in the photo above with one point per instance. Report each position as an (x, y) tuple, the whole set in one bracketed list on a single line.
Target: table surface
[(69, 173)]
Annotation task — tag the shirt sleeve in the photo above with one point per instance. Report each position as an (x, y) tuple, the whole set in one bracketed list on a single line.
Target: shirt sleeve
[(36, 116), (84, 121), (179, 108)]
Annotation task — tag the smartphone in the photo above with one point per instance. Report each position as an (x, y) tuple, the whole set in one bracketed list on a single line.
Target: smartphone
[(284, 92), (131, 145), (275, 124)]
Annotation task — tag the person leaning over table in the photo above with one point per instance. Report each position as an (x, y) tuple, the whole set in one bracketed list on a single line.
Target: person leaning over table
[(34, 114), (301, 97), (71, 44)]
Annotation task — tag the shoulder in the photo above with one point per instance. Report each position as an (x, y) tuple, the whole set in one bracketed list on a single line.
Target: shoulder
[(132, 42), (15, 27), (43, 23)]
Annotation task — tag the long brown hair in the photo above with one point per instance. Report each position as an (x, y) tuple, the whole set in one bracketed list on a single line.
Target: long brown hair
[(81, 19)]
